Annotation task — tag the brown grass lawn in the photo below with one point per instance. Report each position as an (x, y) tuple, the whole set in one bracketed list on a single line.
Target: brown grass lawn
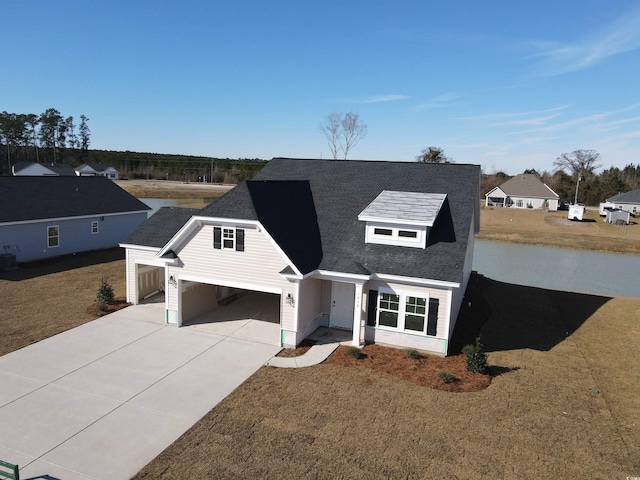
[(41, 299), (536, 227)]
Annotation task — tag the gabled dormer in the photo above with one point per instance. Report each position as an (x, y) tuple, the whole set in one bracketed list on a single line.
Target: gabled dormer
[(401, 218)]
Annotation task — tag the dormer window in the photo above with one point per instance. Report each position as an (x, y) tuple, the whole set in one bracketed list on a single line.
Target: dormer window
[(401, 218)]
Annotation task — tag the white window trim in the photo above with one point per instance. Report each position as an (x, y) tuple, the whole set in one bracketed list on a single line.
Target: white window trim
[(233, 238), (419, 241), (95, 229), (57, 236), (402, 311)]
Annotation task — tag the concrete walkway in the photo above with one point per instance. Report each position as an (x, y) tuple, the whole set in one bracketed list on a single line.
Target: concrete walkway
[(327, 340), (103, 399)]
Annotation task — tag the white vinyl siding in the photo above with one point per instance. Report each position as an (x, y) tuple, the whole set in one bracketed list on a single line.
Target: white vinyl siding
[(257, 268), (136, 259)]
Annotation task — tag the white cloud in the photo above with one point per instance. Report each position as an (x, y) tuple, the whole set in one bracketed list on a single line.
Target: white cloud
[(618, 37), (439, 101), (384, 98)]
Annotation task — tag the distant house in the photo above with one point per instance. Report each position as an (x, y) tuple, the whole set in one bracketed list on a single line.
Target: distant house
[(96, 170), (523, 191), (43, 217), (382, 250), (22, 169), (628, 201)]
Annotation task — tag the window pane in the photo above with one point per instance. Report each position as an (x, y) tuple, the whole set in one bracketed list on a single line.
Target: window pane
[(228, 243), (53, 231), (388, 319), (414, 322), (382, 231), (407, 234)]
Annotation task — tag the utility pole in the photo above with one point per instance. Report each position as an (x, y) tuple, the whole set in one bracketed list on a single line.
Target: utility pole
[(575, 201)]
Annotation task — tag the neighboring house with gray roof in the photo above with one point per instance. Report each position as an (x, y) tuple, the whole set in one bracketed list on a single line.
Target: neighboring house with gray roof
[(42, 217), (381, 249), (22, 169), (96, 170), (523, 191), (627, 201)]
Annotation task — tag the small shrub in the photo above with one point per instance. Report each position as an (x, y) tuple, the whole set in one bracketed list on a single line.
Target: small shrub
[(446, 377), (476, 358), (354, 352), (105, 295), (411, 353)]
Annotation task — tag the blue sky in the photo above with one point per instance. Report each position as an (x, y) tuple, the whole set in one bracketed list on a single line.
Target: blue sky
[(504, 84)]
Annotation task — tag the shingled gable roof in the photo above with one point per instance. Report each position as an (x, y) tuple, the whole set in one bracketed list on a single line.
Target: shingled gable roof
[(632, 196), (24, 199), (527, 185), (160, 227), (340, 191)]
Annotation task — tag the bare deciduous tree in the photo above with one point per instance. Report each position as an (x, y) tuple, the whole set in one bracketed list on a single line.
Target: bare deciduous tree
[(578, 162), (343, 132)]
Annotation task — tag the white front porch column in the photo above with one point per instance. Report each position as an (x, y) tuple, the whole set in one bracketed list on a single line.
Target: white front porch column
[(357, 316)]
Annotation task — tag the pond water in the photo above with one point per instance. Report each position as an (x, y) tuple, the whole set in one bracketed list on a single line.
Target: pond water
[(157, 203), (559, 268)]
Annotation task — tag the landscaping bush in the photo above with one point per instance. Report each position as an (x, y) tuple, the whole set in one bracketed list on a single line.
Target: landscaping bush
[(105, 295), (446, 377), (411, 353), (354, 352), (476, 358)]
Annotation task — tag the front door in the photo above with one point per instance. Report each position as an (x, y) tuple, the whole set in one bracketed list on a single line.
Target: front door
[(342, 296)]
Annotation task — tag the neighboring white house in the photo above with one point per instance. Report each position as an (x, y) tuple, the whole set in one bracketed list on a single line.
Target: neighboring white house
[(628, 201), (381, 249), (42, 216), (31, 169), (96, 170), (523, 191)]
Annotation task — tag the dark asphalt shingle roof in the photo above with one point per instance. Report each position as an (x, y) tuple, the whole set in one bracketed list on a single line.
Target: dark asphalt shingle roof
[(340, 191), (160, 227), (527, 185), (626, 197), (34, 198)]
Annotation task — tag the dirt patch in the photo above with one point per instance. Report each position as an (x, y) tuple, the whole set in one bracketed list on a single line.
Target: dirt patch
[(421, 371), (177, 190)]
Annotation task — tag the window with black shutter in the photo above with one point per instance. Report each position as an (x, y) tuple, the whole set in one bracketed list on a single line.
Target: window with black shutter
[(239, 240), (217, 237), (372, 307), (432, 318)]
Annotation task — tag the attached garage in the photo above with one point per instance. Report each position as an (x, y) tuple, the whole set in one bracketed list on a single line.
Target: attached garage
[(150, 281), (231, 311)]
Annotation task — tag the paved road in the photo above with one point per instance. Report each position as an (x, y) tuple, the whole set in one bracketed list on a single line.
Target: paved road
[(103, 399)]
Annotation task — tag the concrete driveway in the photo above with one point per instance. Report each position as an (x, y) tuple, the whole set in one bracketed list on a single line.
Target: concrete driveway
[(103, 399)]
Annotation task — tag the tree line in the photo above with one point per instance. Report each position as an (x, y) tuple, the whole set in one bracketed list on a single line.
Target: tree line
[(47, 137), (578, 166)]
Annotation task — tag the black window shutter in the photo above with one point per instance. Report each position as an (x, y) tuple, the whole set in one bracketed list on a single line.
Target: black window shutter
[(372, 308), (217, 237), (432, 320), (239, 240)]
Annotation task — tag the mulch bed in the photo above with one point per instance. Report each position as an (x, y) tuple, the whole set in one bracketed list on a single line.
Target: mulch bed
[(118, 304), (421, 371)]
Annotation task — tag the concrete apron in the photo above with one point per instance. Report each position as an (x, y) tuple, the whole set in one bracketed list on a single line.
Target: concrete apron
[(102, 400)]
